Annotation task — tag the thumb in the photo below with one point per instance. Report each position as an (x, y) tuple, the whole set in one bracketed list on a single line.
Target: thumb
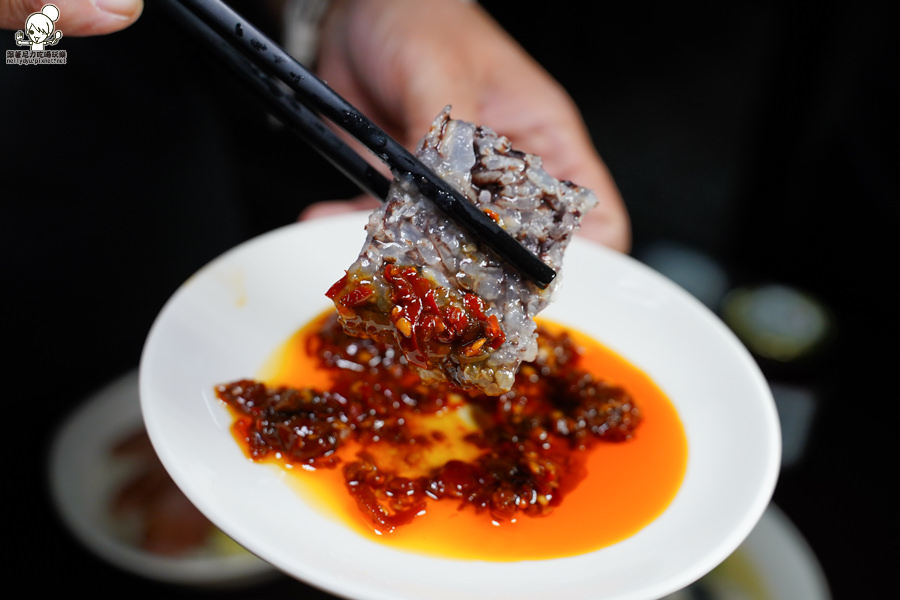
[(75, 17), (425, 96), (330, 208)]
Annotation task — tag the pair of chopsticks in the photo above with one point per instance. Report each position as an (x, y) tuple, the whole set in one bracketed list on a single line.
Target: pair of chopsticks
[(264, 66)]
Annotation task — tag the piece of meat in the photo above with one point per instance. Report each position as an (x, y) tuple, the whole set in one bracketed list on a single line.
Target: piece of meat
[(424, 284)]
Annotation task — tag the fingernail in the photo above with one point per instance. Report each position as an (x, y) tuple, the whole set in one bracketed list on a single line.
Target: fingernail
[(121, 8)]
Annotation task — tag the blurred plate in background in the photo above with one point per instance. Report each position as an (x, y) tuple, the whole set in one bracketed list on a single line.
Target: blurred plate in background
[(85, 475)]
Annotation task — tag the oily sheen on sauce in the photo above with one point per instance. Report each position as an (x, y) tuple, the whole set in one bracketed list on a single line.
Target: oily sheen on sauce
[(627, 483)]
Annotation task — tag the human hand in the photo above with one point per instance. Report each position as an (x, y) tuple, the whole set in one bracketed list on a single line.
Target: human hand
[(76, 17), (402, 61)]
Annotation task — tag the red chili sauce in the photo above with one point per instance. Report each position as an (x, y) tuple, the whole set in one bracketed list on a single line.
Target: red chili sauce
[(584, 451), (434, 330)]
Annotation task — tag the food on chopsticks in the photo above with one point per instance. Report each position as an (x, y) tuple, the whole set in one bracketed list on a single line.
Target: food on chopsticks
[(431, 385), (423, 284)]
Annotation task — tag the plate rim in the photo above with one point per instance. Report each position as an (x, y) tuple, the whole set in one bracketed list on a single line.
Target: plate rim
[(726, 546), (104, 413)]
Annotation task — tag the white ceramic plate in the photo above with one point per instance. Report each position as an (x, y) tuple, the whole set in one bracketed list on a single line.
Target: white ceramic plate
[(775, 562), (84, 476), (227, 319)]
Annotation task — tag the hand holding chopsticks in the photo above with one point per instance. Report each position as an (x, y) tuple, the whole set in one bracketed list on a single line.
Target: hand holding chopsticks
[(262, 64)]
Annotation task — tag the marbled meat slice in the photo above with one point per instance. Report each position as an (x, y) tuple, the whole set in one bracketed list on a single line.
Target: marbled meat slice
[(422, 283)]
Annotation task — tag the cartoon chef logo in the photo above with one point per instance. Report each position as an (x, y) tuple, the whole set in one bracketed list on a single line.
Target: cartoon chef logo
[(40, 29)]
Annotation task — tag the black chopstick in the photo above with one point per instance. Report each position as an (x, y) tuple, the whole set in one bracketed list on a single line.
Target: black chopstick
[(296, 117), (235, 31)]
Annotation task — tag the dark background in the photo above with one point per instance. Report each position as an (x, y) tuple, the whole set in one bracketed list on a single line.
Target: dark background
[(759, 136)]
